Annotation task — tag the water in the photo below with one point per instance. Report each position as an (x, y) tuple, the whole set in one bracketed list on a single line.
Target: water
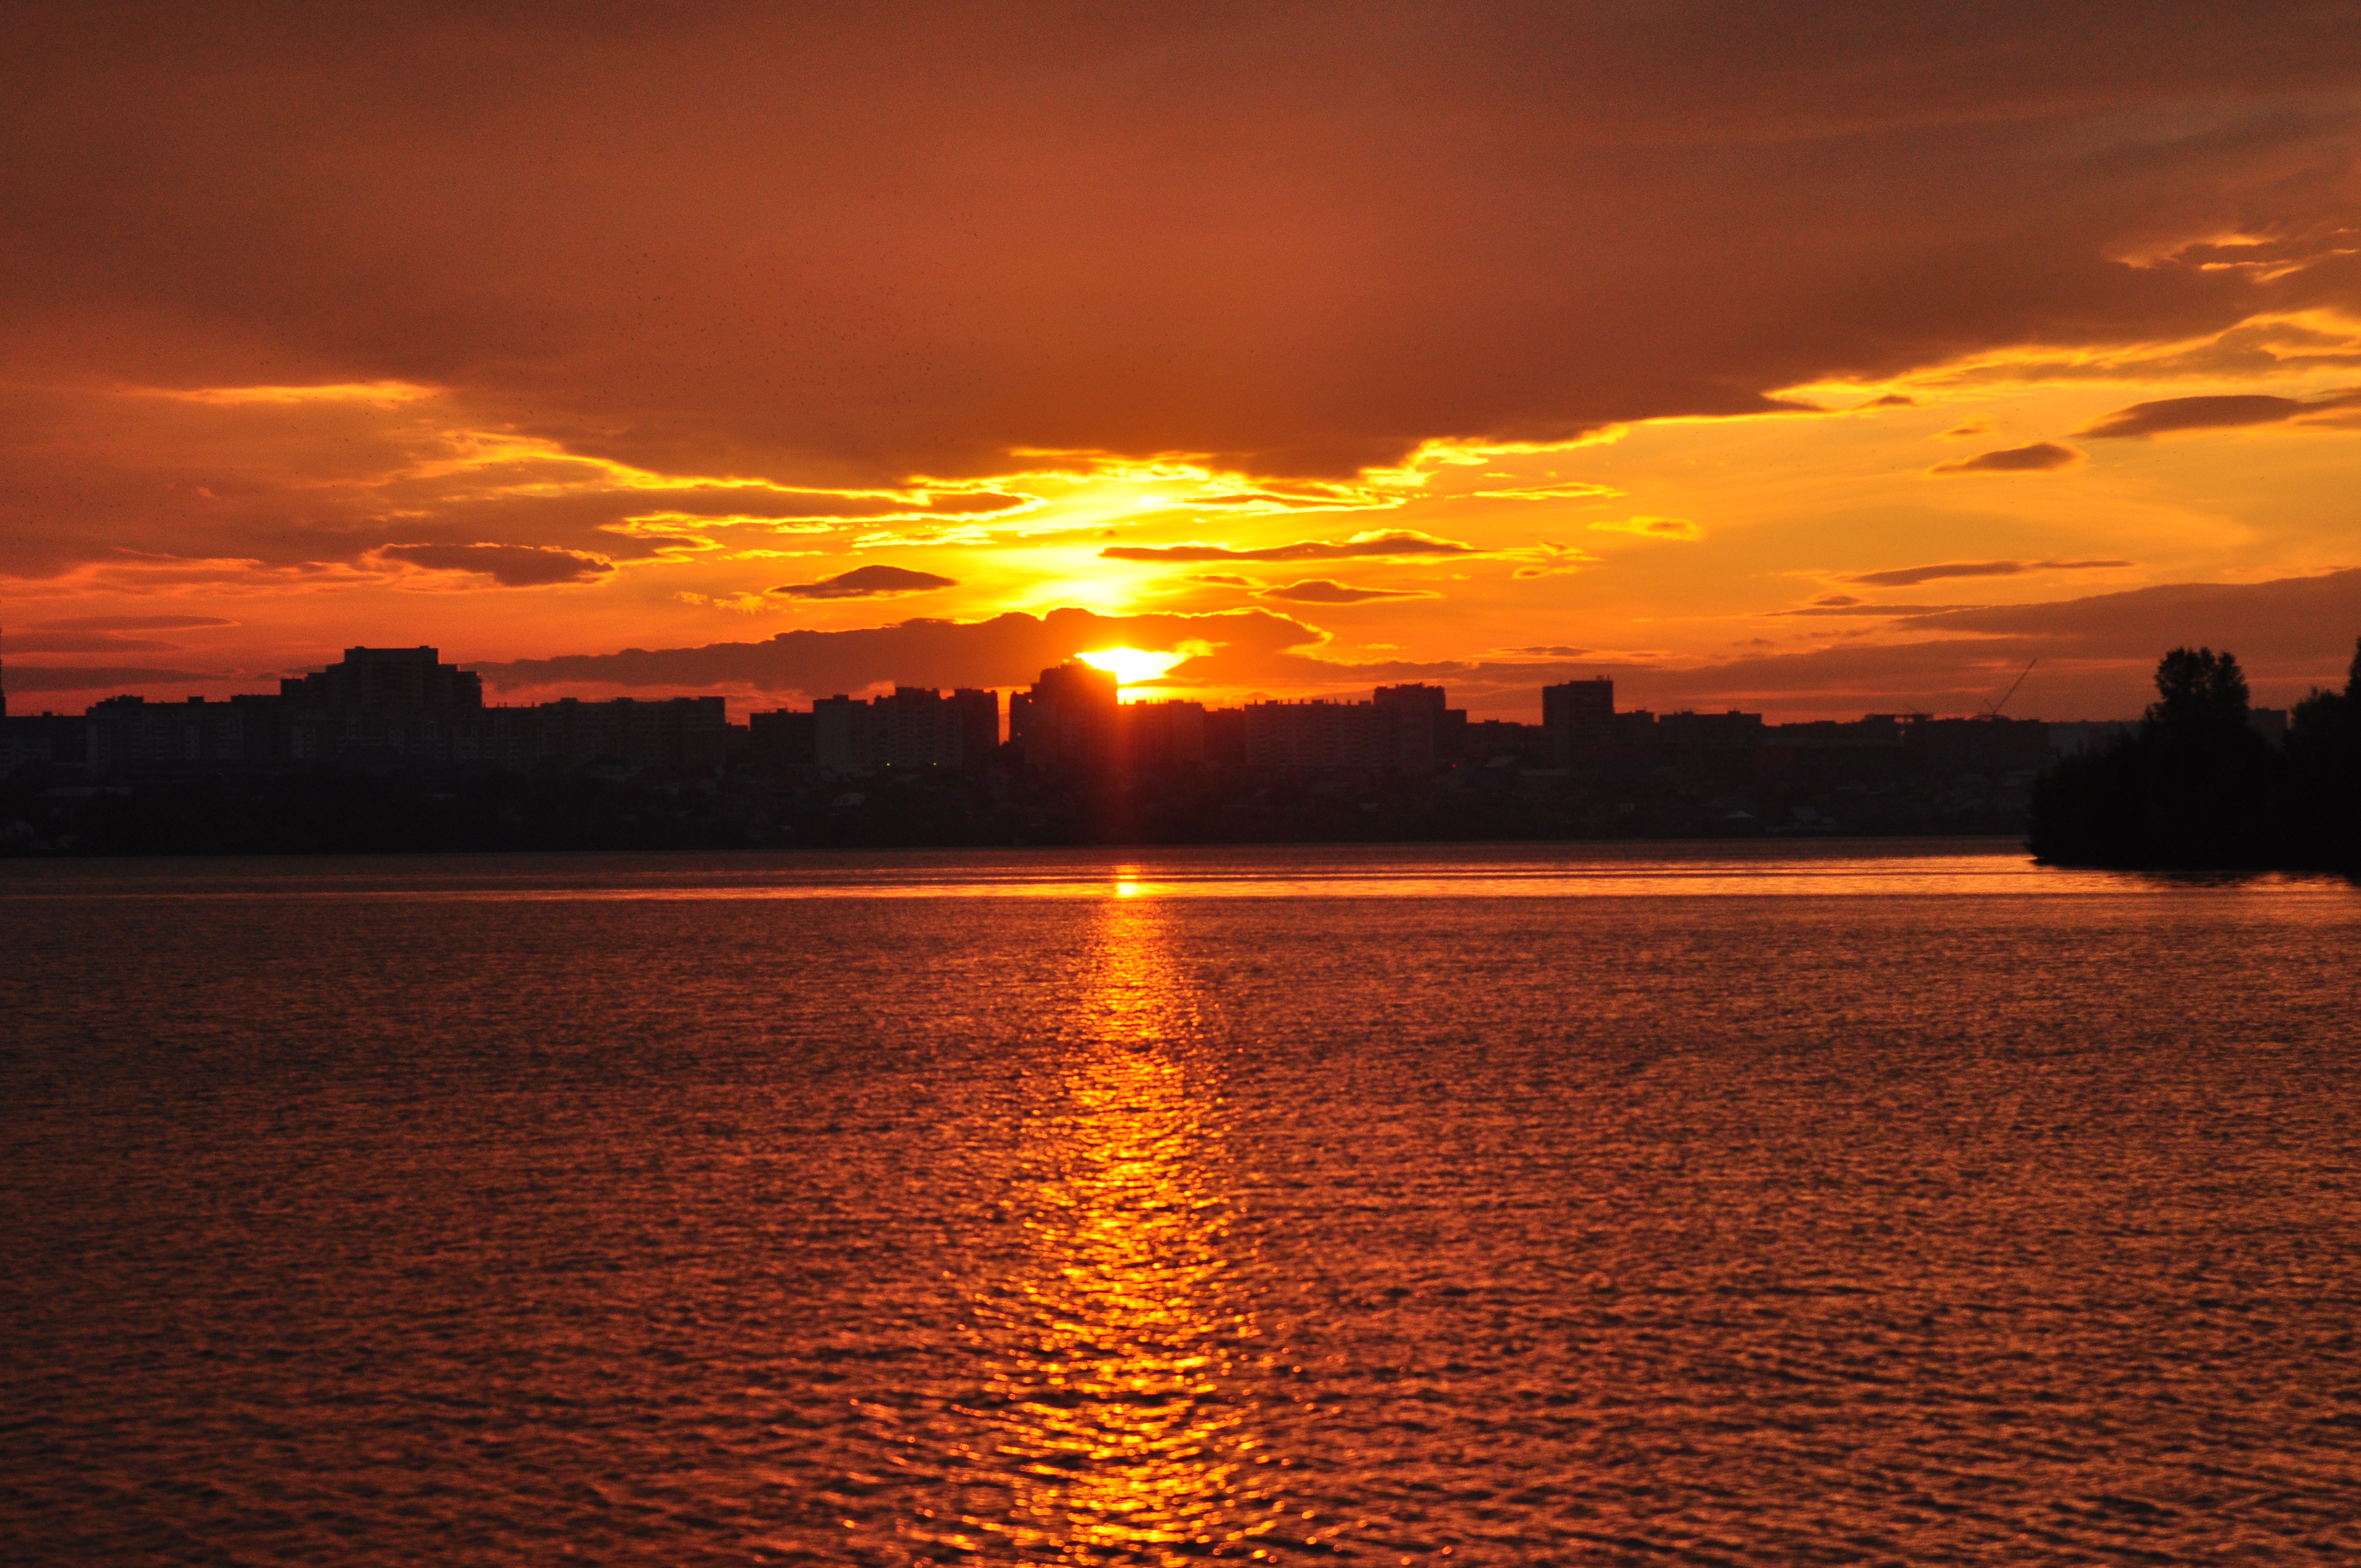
[(1817, 1204)]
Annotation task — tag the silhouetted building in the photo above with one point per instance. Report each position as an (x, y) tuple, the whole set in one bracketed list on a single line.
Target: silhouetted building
[(1152, 737), (132, 735), (780, 739), (1988, 746), (1729, 731), (914, 728), (1318, 734), (398, 703), (1493, 739), (1067, 719), (661, 732), (979, 721), (32, 738), (1417, 715), (1226, 737), (1577, 715), (376, 678)]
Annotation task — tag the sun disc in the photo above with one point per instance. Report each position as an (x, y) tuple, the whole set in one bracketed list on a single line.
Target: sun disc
[(1130, 664)]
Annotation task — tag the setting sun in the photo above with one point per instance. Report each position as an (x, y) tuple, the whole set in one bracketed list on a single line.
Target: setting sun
[(1129, 666)]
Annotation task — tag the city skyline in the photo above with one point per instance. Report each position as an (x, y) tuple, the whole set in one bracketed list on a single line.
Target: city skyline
[(1817, 369)]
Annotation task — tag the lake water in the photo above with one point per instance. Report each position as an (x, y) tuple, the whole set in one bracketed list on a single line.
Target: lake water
[(1802, 1204)]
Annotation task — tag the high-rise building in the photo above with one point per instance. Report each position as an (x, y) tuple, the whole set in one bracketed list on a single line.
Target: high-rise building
[(132, 735), (388, 679), (1417, 713), (781, 739), (401, 702), (1067, 719), (1577, 715), (979, 724), (1154, 736), (914, 728), (1401, 727)]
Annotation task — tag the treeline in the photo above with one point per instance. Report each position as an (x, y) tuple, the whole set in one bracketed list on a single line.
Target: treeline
[(2196, 786)]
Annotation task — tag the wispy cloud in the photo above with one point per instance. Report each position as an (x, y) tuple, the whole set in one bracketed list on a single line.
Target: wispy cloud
[(1321, 590), (1911, 576), (1651, 527), (2040, 457), (1550, 559), (2165, 416), (511, 566), (1398, 544)]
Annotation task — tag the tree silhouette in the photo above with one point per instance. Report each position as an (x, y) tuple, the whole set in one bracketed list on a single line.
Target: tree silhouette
[(2198, 688), (2197, 787), (2323, 759)]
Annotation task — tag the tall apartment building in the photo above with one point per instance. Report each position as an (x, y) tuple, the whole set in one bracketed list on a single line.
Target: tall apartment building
[(1401, 727), (405, 703), (1577, 715), (1067, 719), (1153, 736), (914, 728), (1420, 726), (391, 701), (132, 735)]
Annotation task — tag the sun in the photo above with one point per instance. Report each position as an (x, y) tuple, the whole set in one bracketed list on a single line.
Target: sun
[(1130, 664)]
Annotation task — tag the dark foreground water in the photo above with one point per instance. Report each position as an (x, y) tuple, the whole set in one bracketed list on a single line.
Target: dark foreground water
[(1493, 1207)]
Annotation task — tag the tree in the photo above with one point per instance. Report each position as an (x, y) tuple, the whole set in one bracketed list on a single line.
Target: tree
[(2196, 786), (2324, 757), (2196, 688)]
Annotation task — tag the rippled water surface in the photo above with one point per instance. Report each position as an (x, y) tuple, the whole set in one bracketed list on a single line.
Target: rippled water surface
[(1824, 1204)]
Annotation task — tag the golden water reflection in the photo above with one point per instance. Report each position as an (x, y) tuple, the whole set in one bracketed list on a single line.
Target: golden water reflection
[(1115, 1423)]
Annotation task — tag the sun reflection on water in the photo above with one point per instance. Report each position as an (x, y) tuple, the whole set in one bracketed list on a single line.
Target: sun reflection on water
[(1112, 1427)]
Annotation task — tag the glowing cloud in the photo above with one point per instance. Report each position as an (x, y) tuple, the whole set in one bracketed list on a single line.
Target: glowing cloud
[(511, 566), (1651, 527), (1911, 576), (1322, 590), (1399, 544), (868, 583)]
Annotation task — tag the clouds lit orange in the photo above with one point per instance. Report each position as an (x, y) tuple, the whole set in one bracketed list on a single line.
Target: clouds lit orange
[(721, 341)]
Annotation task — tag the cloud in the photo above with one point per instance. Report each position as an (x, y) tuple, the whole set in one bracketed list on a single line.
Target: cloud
[(102, 678), (1005, 651), (868, 583), (1892, 400), (133, 623), (1321, 590), (80, 642), (1856, 608), (1911, 576), (1653, 526), (2041, 457), (2097, 653), (2163, 416), (1553, 559), (1398, 545), (1221, 579), (666, 247), (511, 566), (1568, 491)]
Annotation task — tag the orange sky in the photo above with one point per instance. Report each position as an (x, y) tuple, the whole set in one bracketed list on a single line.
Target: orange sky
[(1810, 363)]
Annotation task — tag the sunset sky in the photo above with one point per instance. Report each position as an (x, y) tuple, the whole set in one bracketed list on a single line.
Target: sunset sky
[(1814, 360)]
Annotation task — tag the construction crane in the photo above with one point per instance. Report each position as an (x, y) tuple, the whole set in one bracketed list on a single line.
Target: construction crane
[(1991, 710)]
